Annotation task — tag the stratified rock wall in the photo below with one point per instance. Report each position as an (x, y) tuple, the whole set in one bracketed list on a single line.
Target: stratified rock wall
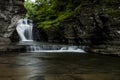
[(96, 22), (10, 12)]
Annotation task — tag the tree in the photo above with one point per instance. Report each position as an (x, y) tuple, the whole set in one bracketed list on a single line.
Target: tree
[(31, 8)]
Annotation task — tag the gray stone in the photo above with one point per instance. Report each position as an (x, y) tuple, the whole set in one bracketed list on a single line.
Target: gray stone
[(4, 41), (10, 12)]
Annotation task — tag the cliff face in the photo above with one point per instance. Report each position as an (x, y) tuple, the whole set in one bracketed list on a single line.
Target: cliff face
[(10, 12), (94, 22)]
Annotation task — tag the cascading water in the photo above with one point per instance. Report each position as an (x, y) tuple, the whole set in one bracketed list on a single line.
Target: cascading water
[(24, 29)]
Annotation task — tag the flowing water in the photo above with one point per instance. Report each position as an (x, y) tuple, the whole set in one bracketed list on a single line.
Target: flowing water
[(24, 29), (58, 66)]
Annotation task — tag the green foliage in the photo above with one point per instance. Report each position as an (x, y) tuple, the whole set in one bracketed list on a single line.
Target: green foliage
[(31, 8), (110, 1), (51, 12), (113, 12)]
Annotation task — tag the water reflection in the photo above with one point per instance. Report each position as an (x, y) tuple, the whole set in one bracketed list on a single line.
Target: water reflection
[(45, 66)]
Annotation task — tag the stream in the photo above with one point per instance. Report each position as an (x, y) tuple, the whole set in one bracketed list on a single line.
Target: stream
[(58, 66)]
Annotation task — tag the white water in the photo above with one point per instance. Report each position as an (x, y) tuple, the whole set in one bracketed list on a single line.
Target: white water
[(24, 29), (55, 48)]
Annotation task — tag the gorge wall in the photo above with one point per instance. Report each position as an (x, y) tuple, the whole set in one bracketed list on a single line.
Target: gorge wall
[(10, 12), (93, 22)]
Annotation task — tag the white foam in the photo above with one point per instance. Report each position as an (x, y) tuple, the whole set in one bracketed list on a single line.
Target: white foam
[(62, 49)]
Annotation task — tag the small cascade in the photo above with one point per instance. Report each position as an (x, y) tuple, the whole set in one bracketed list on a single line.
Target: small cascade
[(25, 32), (55, 48)]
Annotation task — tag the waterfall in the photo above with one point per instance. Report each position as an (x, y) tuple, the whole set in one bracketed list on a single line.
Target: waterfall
[(25, 29)]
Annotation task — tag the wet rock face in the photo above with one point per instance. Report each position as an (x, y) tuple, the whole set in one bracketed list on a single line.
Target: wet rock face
[(10, 12), (82, 28), (94, 23)]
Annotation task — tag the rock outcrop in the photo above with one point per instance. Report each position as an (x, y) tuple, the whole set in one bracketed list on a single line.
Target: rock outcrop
[(10, 12), (96, 22)]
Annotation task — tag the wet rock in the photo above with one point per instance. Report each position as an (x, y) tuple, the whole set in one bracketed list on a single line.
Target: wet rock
[(39, 34), (37, 78), (93, 24), (4, 41), (10, 12)]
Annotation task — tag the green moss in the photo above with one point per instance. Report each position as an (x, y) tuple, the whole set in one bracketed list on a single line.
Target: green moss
[(113, 12), (110, 1), (51, 15), (50, 22), (77, 9)]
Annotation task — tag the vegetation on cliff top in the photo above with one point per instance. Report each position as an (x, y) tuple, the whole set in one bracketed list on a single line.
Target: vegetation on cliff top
[(49, 13)]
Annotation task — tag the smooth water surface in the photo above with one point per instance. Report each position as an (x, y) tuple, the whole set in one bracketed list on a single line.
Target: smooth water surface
[(58, 66)]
